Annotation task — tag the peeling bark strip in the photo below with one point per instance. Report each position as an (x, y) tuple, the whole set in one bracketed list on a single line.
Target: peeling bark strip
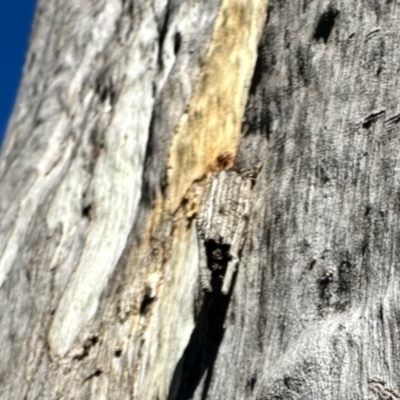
[(211, 125), (205, 141), (221, 227)]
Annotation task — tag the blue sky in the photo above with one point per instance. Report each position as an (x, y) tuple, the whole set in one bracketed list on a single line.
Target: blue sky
[(16, 18)]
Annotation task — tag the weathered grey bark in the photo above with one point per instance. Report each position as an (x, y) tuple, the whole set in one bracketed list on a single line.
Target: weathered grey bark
[(124, 111)]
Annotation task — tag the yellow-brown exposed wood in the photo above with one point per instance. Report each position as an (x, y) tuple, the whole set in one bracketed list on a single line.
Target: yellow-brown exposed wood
[(207, 136)]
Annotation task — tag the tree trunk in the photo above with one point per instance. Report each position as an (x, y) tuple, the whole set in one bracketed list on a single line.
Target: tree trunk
[(125, 111)]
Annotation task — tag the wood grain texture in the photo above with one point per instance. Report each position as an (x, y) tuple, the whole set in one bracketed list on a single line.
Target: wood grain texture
[(209, 130), (100, 296), (97, 79), (314, 313), (221, 228)]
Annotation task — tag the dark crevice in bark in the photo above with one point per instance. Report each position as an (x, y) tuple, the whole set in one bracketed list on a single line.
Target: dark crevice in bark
[(258, 73), (87, 211), (218, 257), (151, 182), (145, 304), (95, 374), (87, 346), (372, 118), (393, 120), (104, 88), (177, 42), (163, 29), (325, 24)]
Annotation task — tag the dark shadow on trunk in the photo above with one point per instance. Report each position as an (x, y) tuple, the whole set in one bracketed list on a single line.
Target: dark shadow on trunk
[(201, 352)]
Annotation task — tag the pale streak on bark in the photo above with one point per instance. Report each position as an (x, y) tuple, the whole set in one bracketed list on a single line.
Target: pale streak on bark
[(50, 163), (119, 167), (163, 340), (48, 172)]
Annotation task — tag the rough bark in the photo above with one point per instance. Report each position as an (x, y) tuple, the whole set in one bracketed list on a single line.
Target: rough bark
[(124, 111)]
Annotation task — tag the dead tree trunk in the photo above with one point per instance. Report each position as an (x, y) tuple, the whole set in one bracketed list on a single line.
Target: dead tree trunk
[(125, 110)]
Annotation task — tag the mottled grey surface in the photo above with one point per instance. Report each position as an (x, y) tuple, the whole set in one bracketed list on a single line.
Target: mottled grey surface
[(313, 312)]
